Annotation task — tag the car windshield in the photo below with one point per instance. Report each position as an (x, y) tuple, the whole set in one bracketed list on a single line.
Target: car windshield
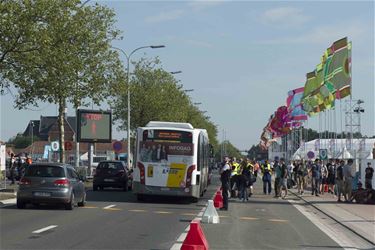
[(110, 165), (45, 171)]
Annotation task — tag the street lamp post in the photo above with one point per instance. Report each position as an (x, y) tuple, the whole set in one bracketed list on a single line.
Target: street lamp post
[(127, 81)]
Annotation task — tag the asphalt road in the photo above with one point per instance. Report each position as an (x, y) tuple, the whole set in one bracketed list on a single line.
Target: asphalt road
[(265, 222), (113, 219)]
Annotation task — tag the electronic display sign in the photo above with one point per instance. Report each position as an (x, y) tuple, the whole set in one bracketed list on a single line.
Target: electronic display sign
[(94, 126)]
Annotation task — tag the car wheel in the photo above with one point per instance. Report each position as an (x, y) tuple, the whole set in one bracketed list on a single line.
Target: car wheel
[(194, 199), (70, 205), (20, 204), (95, 188), (82, 203), (126, 187), (101, 188)]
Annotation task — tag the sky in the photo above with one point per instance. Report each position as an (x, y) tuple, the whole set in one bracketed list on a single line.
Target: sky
[(240, 57)]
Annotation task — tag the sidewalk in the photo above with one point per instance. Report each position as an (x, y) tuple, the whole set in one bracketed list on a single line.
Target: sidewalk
[(359, 218)]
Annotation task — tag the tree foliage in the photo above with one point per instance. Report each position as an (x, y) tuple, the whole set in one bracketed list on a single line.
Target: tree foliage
[(156, 95), (21, 141), (57, 51)]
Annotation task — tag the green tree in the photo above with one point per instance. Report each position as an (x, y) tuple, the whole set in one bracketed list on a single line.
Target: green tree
[(58, 51), (156, 96), (228, 150), (20, 141)]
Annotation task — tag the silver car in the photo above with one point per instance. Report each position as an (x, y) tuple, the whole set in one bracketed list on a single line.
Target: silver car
[(51, 183)]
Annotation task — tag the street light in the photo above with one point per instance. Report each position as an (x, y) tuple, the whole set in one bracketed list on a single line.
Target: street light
[(127, 81), (197, 103), (188, 90), (175, 72)]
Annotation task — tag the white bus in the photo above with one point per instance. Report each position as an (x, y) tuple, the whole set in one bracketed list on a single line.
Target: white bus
[(172, 159)]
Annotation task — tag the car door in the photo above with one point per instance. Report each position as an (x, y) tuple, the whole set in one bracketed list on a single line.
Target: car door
[(75, 182)]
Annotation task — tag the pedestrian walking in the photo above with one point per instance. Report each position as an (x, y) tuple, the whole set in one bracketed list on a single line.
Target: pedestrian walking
[(12, 168), (348, 180), (225, 172), (267, 178), (284, 178), (331, 168), (369, 173), (244, 178), (340, 180), (277, 170), (301, 177), (323, 178), (315, 180)]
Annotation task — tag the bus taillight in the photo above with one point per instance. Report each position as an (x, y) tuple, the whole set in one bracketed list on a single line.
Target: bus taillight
[(142, 172), (189, 175)]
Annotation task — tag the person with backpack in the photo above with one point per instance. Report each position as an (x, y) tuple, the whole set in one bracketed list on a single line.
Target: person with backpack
[(267, 177), (243, 178), (340, 180)]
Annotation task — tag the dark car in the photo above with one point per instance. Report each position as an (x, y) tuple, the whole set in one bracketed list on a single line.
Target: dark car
[(51, 183), (111, 174)]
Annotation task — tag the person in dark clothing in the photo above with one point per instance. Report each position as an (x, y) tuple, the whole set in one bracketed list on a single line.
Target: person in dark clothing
[(12, 168), (225, 179), (369, 172), (316, 173)]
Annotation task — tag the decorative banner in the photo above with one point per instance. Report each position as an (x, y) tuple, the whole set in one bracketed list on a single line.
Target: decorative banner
[(294, 105)]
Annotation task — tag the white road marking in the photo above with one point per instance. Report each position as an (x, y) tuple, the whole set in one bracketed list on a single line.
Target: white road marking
[(182, 237), (44, 229), (176, 246), (340, 235), (200, 214), (110, 206)]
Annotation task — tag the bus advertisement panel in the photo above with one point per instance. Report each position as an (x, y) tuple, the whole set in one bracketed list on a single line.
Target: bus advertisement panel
[(165, 163)]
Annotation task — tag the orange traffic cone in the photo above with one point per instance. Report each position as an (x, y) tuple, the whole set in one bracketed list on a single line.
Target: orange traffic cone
[(195, 239), (218, 200)]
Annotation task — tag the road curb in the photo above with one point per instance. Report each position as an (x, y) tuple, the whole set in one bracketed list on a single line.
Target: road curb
[(333, 218)]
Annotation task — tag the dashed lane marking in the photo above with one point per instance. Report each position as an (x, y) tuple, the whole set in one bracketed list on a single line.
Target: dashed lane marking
[(188, 214), (110, 206), (248, 218), (277, 220), (88, 207), (44, 229), (223, 216), (112, 209), (162, 212), (137, 210)]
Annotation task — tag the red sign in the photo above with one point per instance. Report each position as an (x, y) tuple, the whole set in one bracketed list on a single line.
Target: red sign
[(68, 145)]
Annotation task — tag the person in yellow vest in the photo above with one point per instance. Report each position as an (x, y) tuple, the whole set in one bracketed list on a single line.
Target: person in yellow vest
[(267, 177), (234, 180)]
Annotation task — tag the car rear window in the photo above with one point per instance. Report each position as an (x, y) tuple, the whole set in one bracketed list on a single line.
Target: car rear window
[(45, 171), (110, 165)]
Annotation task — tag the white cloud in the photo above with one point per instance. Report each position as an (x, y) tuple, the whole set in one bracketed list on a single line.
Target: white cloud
[(284, 17), (165, 16)]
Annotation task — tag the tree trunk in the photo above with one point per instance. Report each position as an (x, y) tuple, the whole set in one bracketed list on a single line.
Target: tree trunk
[(61, 121)]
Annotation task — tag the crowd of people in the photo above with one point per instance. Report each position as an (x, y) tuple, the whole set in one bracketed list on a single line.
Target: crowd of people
[(335, 176)]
